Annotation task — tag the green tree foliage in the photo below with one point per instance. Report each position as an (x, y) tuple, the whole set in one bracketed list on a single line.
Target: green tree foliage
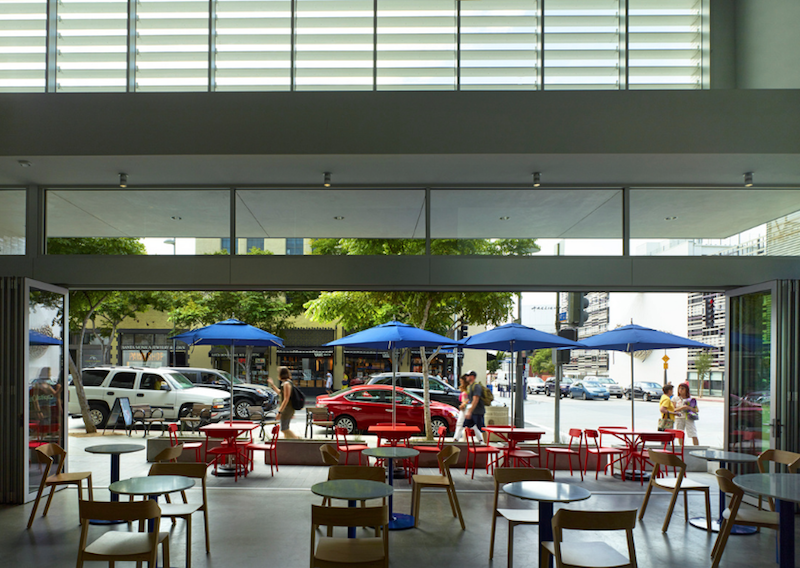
[(703, 363), (411, 247), (494, 365), (542, 362), (95, 245)]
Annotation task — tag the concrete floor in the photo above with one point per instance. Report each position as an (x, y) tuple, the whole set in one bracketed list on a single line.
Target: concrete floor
[(265, 521)]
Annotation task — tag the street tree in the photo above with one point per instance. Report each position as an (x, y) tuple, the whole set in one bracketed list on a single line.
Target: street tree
[(542, 362), (703, 363)]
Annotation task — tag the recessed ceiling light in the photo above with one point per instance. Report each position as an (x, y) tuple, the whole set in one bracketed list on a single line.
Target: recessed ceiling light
[(506, 218), (176, 218), (748, 179), (326, 179), (537, 179), (669, 218), (123, 179), (24, 163), (339, 218)]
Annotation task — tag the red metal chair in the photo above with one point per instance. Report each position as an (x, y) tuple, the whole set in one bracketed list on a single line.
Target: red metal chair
[(569, 451), (473, 449), (614, 454), (173, 440), (640, 453), (345, 448), (430, 449), (224, 452), (269, 448), (679, 435)]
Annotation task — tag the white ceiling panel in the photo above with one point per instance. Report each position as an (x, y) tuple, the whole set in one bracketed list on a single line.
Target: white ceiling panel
[(12, 213)]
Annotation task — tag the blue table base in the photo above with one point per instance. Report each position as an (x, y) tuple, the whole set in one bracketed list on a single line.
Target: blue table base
[(700, 523), (400, 521), (114, 496)]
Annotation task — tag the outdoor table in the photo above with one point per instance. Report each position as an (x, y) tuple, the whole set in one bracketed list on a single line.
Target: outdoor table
[(632, 440), (723, 458), (513, 436), (785, 488), (352, 490), (397, 521), (228, 431), (547, 493), (151, 487), (114, 450), (395, 432)]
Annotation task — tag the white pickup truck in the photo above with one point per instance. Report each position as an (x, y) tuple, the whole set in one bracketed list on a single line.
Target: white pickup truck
[(164, 389)]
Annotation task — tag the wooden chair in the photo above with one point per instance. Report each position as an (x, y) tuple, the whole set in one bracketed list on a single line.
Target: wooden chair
[(430, 449), (613, 454), (330, 455), (47, 454), (269, 448), (447, 458), (173, 440), (663, 461), (569, 451), (200, 415), (503, 475), (170, 454), (185, 510), (790, 459), (589, 554), (332, 552), (734, 515), (118, 546), (344, 448), (319, 416), (492, 453), (367, 472)]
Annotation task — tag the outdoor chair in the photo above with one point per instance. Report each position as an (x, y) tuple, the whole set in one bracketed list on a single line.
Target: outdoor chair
[(640, 454), (593, 554), (170, 454), (330, 455), (447, 458), (199, 416), (677, 436), (569, 451), (345, 448), (256, 414), (503, 475), (790, 459), (270, 449), (321, 417), (173, 440), (333, 552), (186, 509), (47, 455), (430, 449), (663, 461), (148, 417), (123, 546), (613, 454), (474, 449)]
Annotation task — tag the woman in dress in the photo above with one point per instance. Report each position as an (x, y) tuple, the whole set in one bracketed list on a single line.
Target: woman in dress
[(684, 405), (666, 409)]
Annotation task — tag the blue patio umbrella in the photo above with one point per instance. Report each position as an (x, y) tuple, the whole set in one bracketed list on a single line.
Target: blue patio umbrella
[(37, 338), (390, 337), (516, 337), (229, 332), (631, 338)]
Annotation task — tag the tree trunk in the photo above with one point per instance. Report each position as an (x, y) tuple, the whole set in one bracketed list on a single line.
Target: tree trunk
[(77, 382)]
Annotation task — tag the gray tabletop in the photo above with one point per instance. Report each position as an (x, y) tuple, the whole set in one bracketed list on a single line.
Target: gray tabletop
[(550, 491), (352, 489), (151, 485), (783, 486), (723, 456), (114, 448), (390, 452)]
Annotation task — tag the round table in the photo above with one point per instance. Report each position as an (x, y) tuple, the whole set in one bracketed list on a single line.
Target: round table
[(352, 490), (228, 431), (547, 493), (114, 450), (151, 487), (723, 458), (785, 488), (397, 521)]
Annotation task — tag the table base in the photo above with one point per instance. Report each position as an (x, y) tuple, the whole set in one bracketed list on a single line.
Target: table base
[(700, 523), (225, 470), (635, 475), (400, 521), (103, 522)]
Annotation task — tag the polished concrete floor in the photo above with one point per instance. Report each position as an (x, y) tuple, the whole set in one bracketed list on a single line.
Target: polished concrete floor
[(265, 521)]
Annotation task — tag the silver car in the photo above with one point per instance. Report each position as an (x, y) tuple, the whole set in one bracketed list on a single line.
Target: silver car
[(612, 387)]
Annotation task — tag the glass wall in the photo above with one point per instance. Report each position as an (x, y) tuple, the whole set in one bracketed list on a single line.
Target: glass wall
[(12, 221)]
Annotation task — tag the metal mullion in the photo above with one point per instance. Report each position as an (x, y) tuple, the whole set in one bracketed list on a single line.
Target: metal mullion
[(212, 46), (541, 45), (51, 48), (427, 221), (232, 228), (375, 45), (130, 86), (292, 47), (623, 43), (458, 45), (626, 221)]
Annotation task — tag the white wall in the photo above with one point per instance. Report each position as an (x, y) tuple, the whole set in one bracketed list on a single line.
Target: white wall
[(767, 44)]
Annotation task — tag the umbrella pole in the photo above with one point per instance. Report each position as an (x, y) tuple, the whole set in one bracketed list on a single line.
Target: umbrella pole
[(233, 372), (394, 382), (633, 398)]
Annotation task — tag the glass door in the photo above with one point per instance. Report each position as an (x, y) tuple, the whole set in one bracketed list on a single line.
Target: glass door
[(46, 374)]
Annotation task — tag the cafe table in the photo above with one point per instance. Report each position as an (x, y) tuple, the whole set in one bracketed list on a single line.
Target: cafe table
[(114, 450), (785, 488), (228, 431), (633, 439), (514, 436), (723, 458), (394, 432), (397, 521), (151, 487), (546, 493), (352, 490)]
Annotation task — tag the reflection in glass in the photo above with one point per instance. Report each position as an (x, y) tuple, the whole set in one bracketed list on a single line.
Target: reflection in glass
[(12, 222)]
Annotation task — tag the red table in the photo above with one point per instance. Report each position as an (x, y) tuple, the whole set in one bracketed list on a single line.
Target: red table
[(394, 433), (513, 436), (236, 459), (633, 441)]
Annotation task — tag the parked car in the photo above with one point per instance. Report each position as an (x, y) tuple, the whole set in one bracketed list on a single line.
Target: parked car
[(611, 386), (161, 388), (644, 390), (550, 386), (362, 406), (535, 385), (244, 394), (588, 390), (412, 382)]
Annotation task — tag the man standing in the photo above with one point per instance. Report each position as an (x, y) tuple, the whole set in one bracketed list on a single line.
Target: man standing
[(473, 417), (329, 383)]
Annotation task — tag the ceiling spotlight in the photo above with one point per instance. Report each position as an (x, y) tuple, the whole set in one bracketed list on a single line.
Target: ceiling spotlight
[(748, 179), (176, 218), (669, 218), (339, 218), (24, 163), (537, 179), (505, 218), (123, 180), (326, 181)]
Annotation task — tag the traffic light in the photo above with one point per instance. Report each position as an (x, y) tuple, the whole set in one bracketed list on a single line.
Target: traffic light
[(563, 355), (576, 309), (709, 312), (462, 332)]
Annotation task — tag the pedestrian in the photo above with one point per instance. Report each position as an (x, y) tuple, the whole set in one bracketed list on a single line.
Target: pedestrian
[(285, 408), (686, 412), (666, 409), (329, 383), (473, 416), (462, 408)]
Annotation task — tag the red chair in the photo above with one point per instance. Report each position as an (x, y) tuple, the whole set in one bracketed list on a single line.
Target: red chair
[(173, 440), (640, 453), (270, 450), (473, 449), (569, 451), (600, 451), (225, 452), (430, 449), (345, 448)]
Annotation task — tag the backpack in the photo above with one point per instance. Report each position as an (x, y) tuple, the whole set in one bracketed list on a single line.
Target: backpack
[(297, 399), (486, 395)]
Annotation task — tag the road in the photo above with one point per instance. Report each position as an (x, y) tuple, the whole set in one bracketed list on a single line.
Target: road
[(540, 412)]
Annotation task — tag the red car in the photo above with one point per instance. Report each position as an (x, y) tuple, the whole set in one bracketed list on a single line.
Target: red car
[(363, 406)]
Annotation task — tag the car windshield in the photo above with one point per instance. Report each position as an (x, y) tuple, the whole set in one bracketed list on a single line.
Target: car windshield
[(593, 384), (605, 381), (651, 386), (179, 381)]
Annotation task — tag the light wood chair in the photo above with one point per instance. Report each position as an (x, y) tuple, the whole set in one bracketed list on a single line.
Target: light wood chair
[(170, 454), (447, 458), (332, 552), (503, 475), (781, 457), (589, 554), (330, 455), (662, 462), (734, 515), (186, 509), (114, 546), (47, 455)]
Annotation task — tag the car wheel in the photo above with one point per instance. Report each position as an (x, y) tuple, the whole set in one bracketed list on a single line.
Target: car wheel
[(99, 414), (571, 394), (241, 408), (346, 422), (547, 392), (437, 423), (646, 397), (619, 396), (584, 396)]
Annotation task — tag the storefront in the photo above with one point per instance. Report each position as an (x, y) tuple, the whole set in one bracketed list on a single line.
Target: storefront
[(149, 349)]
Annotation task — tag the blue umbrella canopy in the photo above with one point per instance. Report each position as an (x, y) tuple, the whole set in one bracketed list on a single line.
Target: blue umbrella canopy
[(36, 338), (393, 335), (517, 337), (637, 338)]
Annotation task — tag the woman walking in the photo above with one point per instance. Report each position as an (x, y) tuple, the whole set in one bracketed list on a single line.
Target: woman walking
[(462, 399), (686, 412), (285, 409)]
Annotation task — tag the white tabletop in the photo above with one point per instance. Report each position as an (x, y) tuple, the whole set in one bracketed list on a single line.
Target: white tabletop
[(550, 491), (723, 456), (783, 486)]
